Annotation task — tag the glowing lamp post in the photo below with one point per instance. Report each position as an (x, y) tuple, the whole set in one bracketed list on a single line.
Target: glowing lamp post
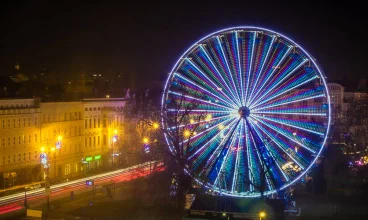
[(155, 125), (262, 215), (114, 140)]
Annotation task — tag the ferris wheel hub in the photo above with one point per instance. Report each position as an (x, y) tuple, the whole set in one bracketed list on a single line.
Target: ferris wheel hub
[(244, 112)]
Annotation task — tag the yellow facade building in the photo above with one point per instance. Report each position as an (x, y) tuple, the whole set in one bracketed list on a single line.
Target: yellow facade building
[(76, 136)]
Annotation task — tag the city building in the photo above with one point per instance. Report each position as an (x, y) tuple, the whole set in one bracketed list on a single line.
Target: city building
[(77, 137)]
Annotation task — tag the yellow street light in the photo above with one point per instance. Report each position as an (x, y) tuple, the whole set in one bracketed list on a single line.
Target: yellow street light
[(53, 149), (145, 140), (191, 121), (221, 126), (155, 125), (195, 133), (262, 215), (42, 149), (186, 133), (60, 138), (115, 131)]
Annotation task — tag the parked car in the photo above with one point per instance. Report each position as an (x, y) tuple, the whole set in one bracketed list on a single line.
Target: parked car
[(33, 186)]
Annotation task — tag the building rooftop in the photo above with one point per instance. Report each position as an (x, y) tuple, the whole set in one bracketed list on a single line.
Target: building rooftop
[(353, 85)]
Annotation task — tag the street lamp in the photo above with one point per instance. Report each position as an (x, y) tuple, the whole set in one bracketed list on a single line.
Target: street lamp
[(186, 133), (145, 140), (114, 140), (155, 125), (262, 215)]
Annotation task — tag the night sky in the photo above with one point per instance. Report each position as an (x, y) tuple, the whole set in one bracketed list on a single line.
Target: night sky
[(146, 40)]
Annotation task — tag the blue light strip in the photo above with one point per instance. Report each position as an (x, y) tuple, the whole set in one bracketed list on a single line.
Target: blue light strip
[(250, 70), (260, 72), (228, 68)]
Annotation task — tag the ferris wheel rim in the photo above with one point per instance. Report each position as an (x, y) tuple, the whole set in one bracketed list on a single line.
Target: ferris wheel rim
[(288, 40)]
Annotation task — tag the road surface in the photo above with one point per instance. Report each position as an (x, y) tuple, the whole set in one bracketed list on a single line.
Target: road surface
[(37, 197)]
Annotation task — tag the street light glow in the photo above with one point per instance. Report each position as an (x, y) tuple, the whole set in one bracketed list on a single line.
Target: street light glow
[(53, 149), (115, 131), (221, 126), (155, 125), (145, 140), (208, 117), (191, 121), (60, 138), (262, 214), (186, 133), (42, 149)]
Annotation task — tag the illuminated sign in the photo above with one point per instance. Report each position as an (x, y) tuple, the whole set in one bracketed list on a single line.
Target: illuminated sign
[(97, 157), (88, 159)]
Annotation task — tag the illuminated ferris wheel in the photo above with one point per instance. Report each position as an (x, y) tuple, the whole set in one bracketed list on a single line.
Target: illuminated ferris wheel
[(266, 110)]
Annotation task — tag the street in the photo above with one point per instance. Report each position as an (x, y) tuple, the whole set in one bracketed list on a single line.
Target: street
[(37, 197)]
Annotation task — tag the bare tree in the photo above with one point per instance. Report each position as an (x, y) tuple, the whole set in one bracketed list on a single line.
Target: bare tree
[(180, 125)]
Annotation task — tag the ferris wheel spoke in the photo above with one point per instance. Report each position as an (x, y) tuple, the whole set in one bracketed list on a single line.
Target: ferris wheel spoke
[(287, 134), (271, 70), (287, 100), (238, 153), (219, 134), (202, 137), (209, 167), (263, 163), (272, 152), (237, 65), (230, 75), (232, 47), (200, 100), (249, 163), (209, 93), (291, 113), (217, 72), (304, 126), (211, 82), (302, 80), (260, 72), (282, 77), (200, 110), (204, 131), (199, 122), (249, 68), (281, 144), (224, 159)]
